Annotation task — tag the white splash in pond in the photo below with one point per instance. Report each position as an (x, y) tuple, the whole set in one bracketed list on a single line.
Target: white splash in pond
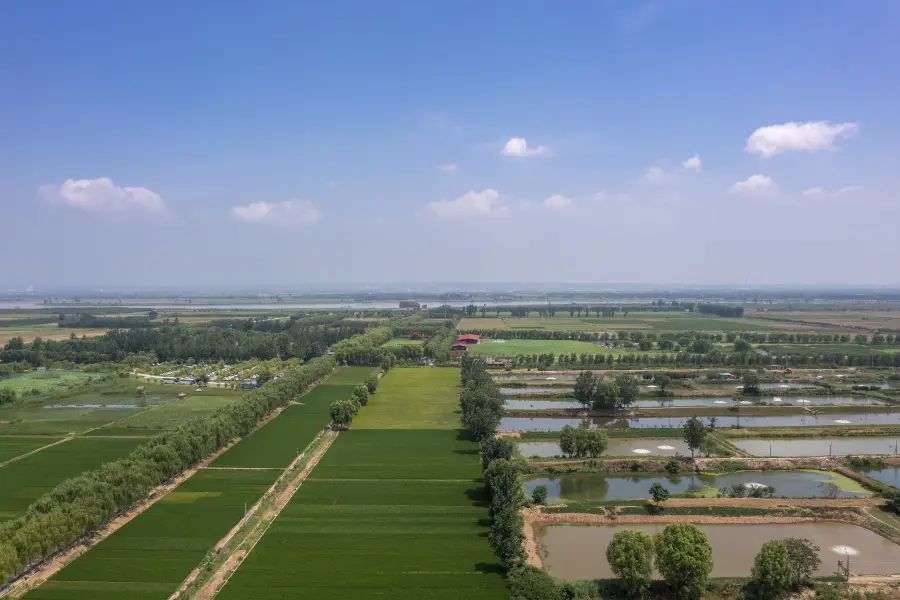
[(745, 402), (666, 447), (842, 421), (719, 402), (776, 399), (641, 451), (804, 401), (551, 379), (845, 550), (754, 485)]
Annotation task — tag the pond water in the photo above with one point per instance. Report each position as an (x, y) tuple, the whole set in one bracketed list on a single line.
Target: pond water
[(536, 377), (841, 446), (579, 552), (615, 447), (890, 476), (579, 487), (536, 390), (784, 386), (823, 420), (727, 401), (539, 404), (92, 406)]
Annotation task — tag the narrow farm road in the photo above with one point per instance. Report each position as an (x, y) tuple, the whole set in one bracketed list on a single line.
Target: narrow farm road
[(35, 451)]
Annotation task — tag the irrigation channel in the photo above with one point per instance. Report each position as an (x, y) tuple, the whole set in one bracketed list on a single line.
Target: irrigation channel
[(570, 551), (581, 487), (820, 420), (540, 403)]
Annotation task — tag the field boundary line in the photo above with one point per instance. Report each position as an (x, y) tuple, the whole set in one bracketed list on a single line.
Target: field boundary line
[(55, 563), (279, 497), (36, 450), (243, 469)]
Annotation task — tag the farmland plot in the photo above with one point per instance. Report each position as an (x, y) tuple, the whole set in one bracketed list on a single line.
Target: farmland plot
[(414, 398), (24, 481), (11, 447)]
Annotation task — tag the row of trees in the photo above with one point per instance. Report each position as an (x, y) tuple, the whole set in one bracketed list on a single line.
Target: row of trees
[(343, 411), (363, 349), (79, 506), (182, 343), (594, 392), (582, 442), (480, 400), (721, 310)]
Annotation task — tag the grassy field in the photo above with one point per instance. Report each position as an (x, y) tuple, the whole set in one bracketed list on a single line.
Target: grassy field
[(45, 332), (387, 513), (519, 347), (177, 410), (415, 398), (44, 382), (808, 349), (151, 555), (863, 319), (650, 321), (26, 480), (13, 447), (396, 342)]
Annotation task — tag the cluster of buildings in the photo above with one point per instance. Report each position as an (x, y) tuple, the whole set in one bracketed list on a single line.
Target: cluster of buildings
[(461, 345)]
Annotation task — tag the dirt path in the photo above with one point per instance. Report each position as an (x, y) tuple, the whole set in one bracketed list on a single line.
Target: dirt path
[(35, 451), (117, 437), (242, 469), (248, 536)]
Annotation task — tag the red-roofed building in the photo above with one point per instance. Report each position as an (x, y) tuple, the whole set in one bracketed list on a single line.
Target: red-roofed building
[(458, 349), (468, 338)]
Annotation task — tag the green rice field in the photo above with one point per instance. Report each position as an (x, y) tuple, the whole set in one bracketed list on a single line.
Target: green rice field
[(387, 512), (11, 447), (495, 348), (649, 321), (24, 481), (150, 556), (44, 381), (401, 342), (413, 398)]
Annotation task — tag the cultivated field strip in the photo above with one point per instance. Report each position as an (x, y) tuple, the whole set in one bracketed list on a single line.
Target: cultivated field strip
[(150, 556), (12, 448), (24, 481), (395, 513)]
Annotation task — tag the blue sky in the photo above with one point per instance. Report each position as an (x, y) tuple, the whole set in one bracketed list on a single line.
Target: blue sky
[(227, 143)]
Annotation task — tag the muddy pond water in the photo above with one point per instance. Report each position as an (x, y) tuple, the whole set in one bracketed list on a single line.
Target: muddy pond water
[(580, 487), (559, 390), (579, 551), (726, 401), (841, 446), (822, 420), (615, 447), (525, 404)]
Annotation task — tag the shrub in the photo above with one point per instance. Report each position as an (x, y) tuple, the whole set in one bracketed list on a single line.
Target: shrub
[(673, 467), (539, 494), (531, 583)]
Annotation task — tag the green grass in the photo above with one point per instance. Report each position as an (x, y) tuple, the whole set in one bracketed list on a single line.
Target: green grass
[(350, 376), (13, 447), (26, 480), (413, 398), (396, 342), (810, 349), (177, 410), (45, 381), (151, 555), (388, 514), (649, 321)]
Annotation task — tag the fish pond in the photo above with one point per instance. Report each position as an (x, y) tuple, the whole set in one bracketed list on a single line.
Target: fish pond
[(615, 447), (579, 551), (581, 487), (822, 420), (889, 475), (761, 401), (841, 446), (558, 390)]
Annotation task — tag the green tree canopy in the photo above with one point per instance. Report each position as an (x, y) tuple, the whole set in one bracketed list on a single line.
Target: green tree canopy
[(630, 556), (684, 559)]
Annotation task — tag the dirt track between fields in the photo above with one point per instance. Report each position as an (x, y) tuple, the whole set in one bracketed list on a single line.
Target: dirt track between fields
[(35, 451)]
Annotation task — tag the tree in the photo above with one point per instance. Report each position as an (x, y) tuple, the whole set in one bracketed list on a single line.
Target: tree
[(694, 433), (204, 379), (712, 423), (361, 394), (594, 443), (630, 556), (684, 559), (628, 390), (7, 396), (658, 493), (751, 383), (386, 363), (606, 395), (568, 441), (742, 346), (663, 381), (707, 446), (804, 560), (372, 383), (342, 412), (539, 494), (673, 467), (494, 448), (772, 569), (506, 537), (531, 583), (585, 388)]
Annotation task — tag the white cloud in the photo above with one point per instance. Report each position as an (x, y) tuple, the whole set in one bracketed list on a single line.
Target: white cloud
[(518, 146), (753, 184), (693, 163), (558, 202), (287, 212), (796, 136), (655, 174), (817, 192), (448, 168), (103, 195), (485, 203)]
